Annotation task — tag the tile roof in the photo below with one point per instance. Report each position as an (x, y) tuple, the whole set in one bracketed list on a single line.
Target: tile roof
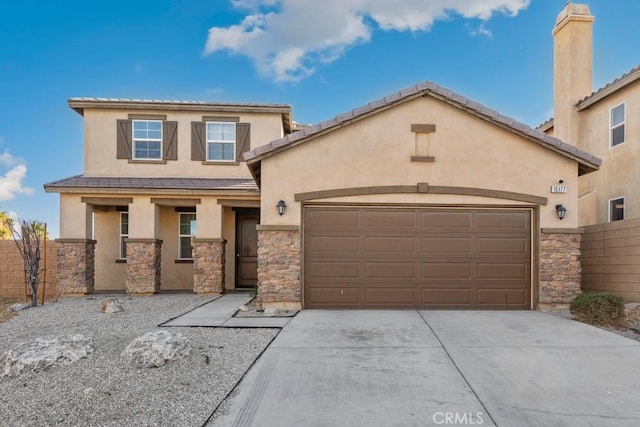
[(622, 81), (175, 102), (588, 162), (85, 182)]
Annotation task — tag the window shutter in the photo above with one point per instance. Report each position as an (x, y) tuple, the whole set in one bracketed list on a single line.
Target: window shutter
[(198, 141), (170, 140), (124, 139), (243, 140)]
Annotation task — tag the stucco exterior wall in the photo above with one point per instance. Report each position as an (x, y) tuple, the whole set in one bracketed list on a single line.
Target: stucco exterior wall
[(175, 275), (468, 151), (100, 135), (618, 175)]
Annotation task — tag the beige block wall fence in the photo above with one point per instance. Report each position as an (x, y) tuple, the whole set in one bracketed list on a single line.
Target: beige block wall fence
[(611, 258), (12, 271)]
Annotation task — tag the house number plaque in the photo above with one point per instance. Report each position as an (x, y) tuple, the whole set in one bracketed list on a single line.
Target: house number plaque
[(558, 189)]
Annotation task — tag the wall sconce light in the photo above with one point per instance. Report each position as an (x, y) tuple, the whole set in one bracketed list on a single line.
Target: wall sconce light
[(281, 207), (561, 211)]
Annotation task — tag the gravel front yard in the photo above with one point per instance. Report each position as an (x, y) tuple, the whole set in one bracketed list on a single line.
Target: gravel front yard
[(104, 390)]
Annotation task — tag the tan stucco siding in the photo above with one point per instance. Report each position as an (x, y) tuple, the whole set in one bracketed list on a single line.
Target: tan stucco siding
[(618, 175), (376, 151), (101, 136)]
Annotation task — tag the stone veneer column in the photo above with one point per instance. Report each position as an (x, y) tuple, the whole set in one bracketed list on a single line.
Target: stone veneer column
[(560, 268), (143, 266), (208, 265), (279, 283), (75, 268)]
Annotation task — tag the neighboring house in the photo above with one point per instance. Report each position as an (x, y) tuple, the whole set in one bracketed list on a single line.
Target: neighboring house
[(601, 122), (165, 201), (421, 199)]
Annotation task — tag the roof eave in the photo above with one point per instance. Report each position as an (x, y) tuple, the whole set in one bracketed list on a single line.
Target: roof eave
[(610, 89)]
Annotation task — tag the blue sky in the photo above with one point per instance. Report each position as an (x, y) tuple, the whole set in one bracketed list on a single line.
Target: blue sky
[(320, 57)]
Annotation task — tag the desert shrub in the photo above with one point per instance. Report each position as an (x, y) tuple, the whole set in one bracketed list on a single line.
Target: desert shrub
[(600, 308)]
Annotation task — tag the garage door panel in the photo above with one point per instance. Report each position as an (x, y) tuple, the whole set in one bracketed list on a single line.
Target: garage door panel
[(417, 257), (386, 296), (449, 245), (382, 218), (503, 220), (446, 220), (334, 296), (334, 243), (446, 270), (393, 244), (438, 296), (497, 270), (503, 298), (384, 270), (320, 269), (504, 246)]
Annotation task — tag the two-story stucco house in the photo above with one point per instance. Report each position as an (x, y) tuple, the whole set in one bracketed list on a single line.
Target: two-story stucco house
[(165, 201), (423, 198), (600, 122)]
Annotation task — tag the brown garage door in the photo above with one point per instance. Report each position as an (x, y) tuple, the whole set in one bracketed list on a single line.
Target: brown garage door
[(417, 257)]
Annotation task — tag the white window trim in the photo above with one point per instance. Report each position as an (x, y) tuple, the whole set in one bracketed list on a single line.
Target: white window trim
[(120, 241), (134, 139), (611, 127), (208, 141), (609, 207), (180, 236)]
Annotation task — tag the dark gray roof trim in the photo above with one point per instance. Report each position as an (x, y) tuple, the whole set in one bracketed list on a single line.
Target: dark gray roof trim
[(79, 104), (84, 182), (614, 86), (587, 161)]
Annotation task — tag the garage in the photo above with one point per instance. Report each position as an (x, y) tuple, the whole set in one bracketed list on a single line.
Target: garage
[(416, 257)]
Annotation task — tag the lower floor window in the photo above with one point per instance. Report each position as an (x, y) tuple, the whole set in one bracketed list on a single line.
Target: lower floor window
[(616, 209), (124, 233), (186, 234)]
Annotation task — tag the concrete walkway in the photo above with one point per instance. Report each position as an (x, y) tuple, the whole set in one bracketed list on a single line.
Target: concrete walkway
[(411, 368), (220, 311)]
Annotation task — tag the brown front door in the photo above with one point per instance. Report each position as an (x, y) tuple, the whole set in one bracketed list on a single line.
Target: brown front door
[(247, 247), (360, 257)]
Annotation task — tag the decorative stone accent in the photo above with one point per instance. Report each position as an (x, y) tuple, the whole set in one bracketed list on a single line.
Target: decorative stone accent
[(143, 266), (279, 267), (208, 265), (156, 349), (111, 305), (43, 353), (560, 269), (75, 267)]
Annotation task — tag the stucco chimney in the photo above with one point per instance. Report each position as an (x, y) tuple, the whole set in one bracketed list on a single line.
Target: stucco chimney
[(572, 68)]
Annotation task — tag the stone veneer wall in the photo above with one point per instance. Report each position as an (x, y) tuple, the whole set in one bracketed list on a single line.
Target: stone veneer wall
[(143, 266), (208, 265), (560, 269), (279, 266), (75, 270)]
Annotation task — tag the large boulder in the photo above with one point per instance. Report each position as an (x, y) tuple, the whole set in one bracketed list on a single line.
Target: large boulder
[(155, 349), (111, 305), (43, 353)]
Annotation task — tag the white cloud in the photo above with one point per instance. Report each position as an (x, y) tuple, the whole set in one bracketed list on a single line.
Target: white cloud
[(11, 181), (481, 31), (286, 39)]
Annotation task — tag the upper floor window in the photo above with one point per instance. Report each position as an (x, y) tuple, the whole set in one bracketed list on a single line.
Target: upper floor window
[(147, 139), (186, 233), (617, 119), (616, 209), (221, 141)]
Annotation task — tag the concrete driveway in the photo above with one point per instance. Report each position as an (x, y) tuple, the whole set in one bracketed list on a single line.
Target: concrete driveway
[(421, 368)]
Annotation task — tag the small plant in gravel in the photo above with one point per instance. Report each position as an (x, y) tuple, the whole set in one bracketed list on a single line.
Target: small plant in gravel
[(601, 308)]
